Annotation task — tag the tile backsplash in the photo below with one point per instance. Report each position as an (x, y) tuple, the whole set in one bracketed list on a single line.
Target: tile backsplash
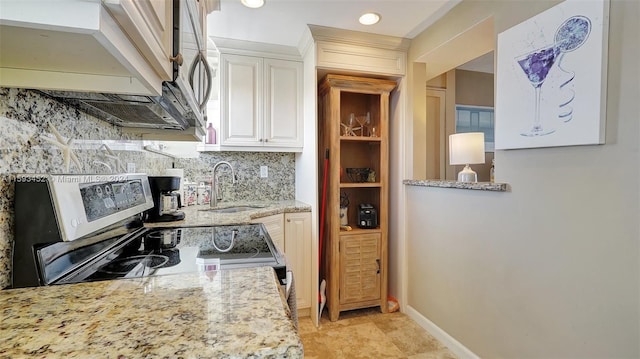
[(29, 120), (279, 185)]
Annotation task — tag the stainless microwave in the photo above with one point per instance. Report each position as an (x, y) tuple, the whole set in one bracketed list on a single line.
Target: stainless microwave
[(193, 74), (183, 99)]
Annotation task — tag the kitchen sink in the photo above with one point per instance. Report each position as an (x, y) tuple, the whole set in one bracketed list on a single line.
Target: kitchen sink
[(231, 209)]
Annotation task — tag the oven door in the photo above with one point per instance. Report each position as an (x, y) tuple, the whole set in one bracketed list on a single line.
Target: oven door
[(192, 75)]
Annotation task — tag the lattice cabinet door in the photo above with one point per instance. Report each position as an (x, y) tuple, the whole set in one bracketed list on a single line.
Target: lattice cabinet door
[(360, 266)]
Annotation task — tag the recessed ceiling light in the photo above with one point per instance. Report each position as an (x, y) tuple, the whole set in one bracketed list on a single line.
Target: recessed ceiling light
[(369, 18), (254, 4)]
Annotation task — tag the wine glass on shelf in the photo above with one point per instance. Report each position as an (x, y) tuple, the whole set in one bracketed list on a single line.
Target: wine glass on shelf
[(373, 132), (352, 124), (349, 127), (536, 66), (363, 121), (367, 123)]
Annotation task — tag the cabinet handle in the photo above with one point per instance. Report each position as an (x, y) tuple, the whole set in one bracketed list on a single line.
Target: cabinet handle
[(177, 59), (378, 263), (288, 219), (260, 140), (266, 140)]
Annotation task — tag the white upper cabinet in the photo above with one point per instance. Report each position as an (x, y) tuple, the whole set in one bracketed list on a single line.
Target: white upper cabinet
[(149, 24), (261, 104), (283, 122), (241, 84), (80, 45)]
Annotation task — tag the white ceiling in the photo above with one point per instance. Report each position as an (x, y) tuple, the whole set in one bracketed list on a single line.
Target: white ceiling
[(284, 21)]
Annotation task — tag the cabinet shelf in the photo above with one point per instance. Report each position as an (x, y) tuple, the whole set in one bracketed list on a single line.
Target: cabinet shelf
[(361, 185), (361, 139)]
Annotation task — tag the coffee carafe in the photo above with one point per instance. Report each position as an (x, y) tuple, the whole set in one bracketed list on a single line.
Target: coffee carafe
[(166, 199)]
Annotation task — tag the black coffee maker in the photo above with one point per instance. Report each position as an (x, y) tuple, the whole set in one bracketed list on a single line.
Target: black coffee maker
[(166, 201)]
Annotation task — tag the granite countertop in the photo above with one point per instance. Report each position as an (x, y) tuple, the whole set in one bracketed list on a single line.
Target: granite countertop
[(235, 313), (482, 186), (200, 216)]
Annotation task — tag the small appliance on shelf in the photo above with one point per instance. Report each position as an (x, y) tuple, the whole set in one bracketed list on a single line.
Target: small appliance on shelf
[(367, 216)]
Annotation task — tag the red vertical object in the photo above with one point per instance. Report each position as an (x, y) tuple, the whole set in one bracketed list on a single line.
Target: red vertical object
[(322, 209)]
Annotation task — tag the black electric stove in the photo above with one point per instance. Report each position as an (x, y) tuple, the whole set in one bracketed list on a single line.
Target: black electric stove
[(160, 251), (66, 233)]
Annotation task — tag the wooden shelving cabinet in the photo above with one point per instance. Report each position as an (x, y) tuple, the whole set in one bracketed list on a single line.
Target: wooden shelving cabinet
[(354, 262)]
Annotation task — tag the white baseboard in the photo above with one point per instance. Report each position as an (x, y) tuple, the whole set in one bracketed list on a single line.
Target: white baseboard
[(454, 346)]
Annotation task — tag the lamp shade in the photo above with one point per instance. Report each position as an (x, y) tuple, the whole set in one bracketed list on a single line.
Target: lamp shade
[(253, 4), (466, 148)]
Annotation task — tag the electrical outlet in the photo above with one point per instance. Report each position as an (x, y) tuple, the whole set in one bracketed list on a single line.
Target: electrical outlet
[(264, 171), (131, 167)]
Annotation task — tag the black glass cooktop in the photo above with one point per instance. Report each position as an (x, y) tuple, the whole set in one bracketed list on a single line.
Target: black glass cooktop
[(158, 251)]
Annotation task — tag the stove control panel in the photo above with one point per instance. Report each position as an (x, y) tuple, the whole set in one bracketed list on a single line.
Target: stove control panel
[(84, 204)]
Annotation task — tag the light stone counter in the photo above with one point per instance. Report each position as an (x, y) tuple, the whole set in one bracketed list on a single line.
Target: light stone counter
[(482, 186), (200, 216), (226, 314)]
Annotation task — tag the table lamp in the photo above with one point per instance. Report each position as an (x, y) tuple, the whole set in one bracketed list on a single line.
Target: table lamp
[(465, 149)]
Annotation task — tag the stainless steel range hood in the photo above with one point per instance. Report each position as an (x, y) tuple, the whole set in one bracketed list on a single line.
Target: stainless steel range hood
[(169, 111)]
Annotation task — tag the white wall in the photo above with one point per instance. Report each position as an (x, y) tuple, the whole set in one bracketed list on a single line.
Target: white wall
[(306, 162), (551, 268), (397, 172)]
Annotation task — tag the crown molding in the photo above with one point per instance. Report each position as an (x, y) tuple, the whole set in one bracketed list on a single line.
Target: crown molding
[(251, 48), (306, 42), (331, 34)]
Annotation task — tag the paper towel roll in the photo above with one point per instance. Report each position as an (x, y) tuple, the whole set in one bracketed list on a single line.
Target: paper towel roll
[(176, 172)]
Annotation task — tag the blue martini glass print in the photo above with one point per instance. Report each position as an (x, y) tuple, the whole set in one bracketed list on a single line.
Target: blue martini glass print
[(537, 64)]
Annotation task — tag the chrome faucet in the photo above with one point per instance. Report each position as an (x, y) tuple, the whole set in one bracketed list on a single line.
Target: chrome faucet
[(216, 193)]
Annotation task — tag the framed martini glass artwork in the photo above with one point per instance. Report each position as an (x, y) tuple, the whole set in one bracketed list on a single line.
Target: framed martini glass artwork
[(551, 77)]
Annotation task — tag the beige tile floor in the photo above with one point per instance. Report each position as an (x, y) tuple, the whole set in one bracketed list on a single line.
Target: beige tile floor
[(367, 333)]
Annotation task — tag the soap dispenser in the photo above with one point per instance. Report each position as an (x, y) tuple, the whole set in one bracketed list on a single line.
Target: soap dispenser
[(211, 135)]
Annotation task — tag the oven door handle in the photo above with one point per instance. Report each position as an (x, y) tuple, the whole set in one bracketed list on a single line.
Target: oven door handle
[(291, 297)]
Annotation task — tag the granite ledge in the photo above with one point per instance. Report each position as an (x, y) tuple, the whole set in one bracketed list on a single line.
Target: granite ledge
[(482, 186)]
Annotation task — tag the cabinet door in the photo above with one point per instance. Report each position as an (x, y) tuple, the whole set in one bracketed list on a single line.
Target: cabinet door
[(283, 124), (359, 267), (275, 227), (297, 248), (240, 100), (149, 24)]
